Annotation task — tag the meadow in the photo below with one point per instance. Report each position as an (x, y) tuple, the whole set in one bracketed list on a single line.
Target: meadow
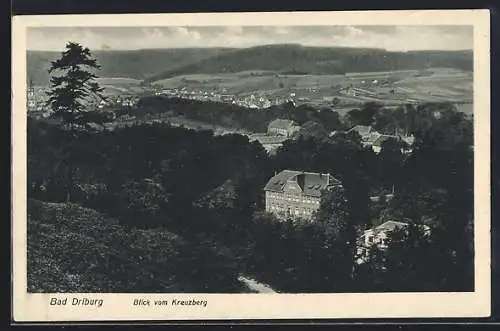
[(120, 85), (440, 84)]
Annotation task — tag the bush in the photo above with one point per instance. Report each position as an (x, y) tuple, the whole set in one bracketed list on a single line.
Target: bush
[(75, 249)]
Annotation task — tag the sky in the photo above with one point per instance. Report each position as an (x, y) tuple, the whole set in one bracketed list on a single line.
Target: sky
[(391, 38)]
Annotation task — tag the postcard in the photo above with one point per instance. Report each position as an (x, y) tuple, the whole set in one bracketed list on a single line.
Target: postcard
[(248, 166)]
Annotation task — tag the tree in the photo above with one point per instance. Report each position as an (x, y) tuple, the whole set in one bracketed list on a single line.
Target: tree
[(334, 218), (330, 119), (70, 92), (303, 113), (363, 116), (333, 214), (391, 161), (68, 98), (312, 129)]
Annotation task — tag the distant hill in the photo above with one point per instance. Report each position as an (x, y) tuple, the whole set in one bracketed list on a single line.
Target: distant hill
[(290, 59), (137, 64), (156, 64)]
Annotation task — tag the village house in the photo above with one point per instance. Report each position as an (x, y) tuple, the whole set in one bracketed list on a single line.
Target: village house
[(282, 127), (372, 138), (367, 133), (297, 194), (406, 149), (378, 237), (362, 130), (271, 143)]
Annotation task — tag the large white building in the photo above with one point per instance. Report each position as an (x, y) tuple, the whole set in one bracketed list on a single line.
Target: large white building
[(297, 194)]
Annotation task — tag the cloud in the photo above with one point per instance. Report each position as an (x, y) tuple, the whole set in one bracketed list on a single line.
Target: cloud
[(395, 38)]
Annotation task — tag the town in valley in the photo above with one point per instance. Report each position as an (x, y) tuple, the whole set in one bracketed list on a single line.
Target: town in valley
[(269, 168)]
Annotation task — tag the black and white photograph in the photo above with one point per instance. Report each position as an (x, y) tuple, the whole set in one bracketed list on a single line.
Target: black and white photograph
[(249, 159)]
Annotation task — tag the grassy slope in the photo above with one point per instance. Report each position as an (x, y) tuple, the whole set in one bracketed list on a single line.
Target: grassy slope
[(76, 249)]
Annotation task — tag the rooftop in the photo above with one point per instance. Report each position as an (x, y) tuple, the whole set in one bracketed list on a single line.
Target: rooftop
[(281, 124), (371, 137), (381, 138), (392, 226), (266, 139), (363, 130), (311, 183)]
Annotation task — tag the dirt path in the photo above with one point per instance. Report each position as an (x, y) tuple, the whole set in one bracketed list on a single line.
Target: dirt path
[(255, 285)]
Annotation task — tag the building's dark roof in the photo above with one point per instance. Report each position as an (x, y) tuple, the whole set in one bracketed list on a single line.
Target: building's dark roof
[(265, 139), (410, 140), (371, 137), (311, 183), (281, 124), (390, 226), (407, 139), (383, 137), (363, 130)]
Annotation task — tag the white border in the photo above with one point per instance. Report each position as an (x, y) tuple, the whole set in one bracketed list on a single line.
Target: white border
[(35, 307)]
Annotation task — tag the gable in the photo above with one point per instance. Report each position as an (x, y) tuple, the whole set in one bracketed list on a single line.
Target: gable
[(292, 187)]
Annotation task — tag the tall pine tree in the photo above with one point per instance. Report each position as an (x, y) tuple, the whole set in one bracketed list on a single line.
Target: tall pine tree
[(72, 97), (74, 91)]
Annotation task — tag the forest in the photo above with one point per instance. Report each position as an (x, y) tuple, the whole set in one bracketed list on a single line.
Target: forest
[(234, 116), (299, 59), (156, 179)]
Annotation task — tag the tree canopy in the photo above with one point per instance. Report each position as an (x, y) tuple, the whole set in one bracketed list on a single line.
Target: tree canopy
[(73, 87)]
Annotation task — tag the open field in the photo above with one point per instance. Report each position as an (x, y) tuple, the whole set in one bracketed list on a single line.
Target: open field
[(120, 85), (440, 84), (118, 81)]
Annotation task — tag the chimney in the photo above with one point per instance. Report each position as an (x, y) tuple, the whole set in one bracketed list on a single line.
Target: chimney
[(301, 180)]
